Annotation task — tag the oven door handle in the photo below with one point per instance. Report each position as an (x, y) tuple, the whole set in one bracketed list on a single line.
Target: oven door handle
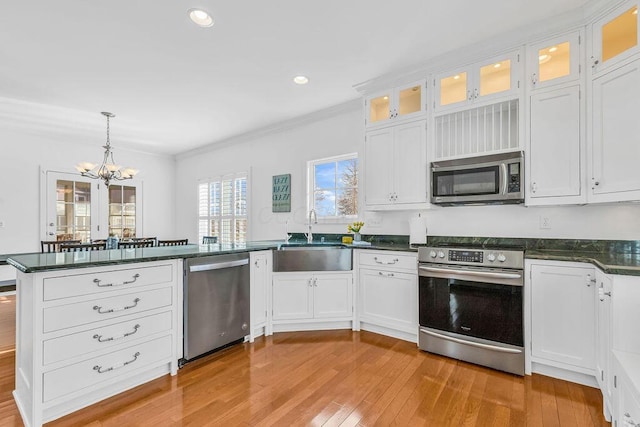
[(487, 274), (471, 343)]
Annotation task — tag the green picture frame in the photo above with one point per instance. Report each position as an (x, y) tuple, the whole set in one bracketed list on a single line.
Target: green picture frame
[(281, 193)]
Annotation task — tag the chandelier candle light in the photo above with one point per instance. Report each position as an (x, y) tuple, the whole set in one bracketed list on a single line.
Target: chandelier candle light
[(108, 170)]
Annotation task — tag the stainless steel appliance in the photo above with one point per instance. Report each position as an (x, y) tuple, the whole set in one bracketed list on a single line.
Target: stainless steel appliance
[(471, 305), (495, 178), (216, 303)]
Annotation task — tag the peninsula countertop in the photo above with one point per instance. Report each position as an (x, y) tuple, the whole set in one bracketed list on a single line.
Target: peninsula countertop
[(35, 262)]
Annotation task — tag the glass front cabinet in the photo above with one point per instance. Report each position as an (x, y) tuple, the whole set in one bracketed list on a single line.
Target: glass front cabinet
[(396, 104), (554, 61), (493, 79), (615, 37)]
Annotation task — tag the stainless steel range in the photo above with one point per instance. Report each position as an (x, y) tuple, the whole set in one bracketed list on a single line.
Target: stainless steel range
[(471, 305)]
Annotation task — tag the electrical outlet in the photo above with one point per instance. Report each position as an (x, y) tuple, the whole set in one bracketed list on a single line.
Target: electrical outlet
[(545, 222)]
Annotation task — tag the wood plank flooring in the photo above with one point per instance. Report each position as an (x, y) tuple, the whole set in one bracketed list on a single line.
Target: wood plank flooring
[(332, 378), (7, 322)]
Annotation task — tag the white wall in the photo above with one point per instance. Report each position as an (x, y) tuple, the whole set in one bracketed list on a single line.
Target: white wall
[(21, 156), (274, 154), (288, 151)]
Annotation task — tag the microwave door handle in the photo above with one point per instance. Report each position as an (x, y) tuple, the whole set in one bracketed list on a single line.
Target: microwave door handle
[(503, 178)]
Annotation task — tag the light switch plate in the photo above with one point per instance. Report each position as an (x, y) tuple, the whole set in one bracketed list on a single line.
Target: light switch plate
[(545, 222)]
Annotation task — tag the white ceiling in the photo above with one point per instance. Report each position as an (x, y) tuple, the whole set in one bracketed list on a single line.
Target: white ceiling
[(175, 86)]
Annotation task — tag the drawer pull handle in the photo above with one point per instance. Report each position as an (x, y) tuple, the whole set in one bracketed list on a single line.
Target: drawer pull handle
[(128, 334), (126, 282), (113, 310), (387, 274), (113, 368), (393, 261)]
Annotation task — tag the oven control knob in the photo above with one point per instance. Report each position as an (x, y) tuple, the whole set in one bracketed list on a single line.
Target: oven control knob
[(441, 254), (433, 254), (491, 257), (502, 258)]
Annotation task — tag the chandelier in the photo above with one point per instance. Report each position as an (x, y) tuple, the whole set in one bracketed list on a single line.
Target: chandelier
[(108, 170)]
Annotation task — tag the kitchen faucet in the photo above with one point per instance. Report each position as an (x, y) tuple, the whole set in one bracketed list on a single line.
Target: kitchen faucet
[(312, 212)]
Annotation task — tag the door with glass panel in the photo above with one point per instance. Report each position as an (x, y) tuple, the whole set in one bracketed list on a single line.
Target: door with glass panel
[(124, 211), (72, 206), (615, 37), (554, 61)]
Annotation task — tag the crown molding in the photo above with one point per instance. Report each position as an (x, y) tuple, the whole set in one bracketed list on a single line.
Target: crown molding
[(316, 116), (78, 126), (506, 42)]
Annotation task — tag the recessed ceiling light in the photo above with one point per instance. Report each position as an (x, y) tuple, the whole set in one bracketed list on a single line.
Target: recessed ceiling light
[(201, 18), (301, 80), (635, 12), (456, 77), (385, 97), (553, 49), (497, 65)]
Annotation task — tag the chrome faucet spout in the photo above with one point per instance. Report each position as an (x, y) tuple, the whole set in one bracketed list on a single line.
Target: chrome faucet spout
[(312, 213)]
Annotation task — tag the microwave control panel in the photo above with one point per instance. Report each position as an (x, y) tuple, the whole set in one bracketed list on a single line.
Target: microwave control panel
[(513, 178)]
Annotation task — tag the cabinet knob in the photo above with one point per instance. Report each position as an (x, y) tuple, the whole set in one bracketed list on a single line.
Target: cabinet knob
[(595, 62), (597, 183)]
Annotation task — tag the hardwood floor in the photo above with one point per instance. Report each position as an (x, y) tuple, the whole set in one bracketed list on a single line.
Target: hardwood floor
[(7, 323), (332, 378)]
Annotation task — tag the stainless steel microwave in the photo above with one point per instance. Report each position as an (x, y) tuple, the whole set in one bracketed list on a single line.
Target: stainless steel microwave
[(490, 179)]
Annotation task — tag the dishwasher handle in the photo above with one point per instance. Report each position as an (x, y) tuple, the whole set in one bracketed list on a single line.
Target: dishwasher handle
[(218, 266)]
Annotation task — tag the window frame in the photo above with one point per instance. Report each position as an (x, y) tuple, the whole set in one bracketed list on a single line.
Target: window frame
[(233, 216), (311, 186)]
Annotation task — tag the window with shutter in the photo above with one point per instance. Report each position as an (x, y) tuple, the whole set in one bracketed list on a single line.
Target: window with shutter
[(222, 208)]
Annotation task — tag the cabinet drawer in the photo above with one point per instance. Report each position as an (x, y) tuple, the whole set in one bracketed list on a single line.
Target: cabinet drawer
[(85, 284), (97, 370), (389, 260), (69, 315), (105, 337)]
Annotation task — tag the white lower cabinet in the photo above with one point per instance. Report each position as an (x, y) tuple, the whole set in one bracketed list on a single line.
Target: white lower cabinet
[(312, 296), (260, 277), (604, 360), (626, 394), (563, 317), (388, 293), (108, 329)]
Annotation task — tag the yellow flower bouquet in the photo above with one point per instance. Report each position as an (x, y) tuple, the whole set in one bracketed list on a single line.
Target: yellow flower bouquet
[(355, 227)]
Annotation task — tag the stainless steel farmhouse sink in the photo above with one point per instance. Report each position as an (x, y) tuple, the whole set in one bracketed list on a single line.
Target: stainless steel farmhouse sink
[(310, 257)]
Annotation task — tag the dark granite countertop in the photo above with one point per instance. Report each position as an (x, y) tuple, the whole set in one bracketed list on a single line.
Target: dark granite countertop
[(35, 262), (627, 264), (610, 256)]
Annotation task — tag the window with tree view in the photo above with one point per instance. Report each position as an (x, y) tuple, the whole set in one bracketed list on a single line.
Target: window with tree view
[(222, 209), (335, 186)]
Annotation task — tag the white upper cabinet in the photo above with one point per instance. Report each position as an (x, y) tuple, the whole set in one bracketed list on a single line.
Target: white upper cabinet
[(396, 104), (554, 153), (395, 169), (615, 130), (614, 37), (496, 78), (554, 61)]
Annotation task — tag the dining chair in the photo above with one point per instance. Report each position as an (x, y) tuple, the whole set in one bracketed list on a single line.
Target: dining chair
[(206, 240), (80, 247), (179, 242), (136, 244), (154, 240), (47, 246)]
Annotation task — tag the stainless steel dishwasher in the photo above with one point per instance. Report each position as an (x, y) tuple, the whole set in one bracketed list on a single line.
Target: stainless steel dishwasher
[(216, 302)]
